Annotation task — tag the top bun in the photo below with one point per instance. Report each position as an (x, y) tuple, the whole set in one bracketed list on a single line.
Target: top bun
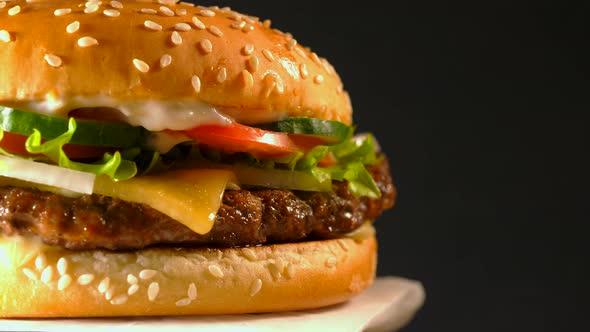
[(141, 50)]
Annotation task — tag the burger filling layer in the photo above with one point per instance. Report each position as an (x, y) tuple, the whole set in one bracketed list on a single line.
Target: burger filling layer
[(250, 216), (94, 180)]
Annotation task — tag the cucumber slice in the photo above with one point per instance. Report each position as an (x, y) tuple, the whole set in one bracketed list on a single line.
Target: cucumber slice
[(91, 133), (332, 131)]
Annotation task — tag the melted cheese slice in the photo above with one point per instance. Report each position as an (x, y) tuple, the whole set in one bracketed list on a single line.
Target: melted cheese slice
[(191, 197)]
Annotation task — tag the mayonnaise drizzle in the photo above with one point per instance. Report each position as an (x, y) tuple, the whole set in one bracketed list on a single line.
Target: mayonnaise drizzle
[(154, 115)]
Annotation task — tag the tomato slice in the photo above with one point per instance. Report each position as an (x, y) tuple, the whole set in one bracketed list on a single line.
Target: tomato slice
[(15, 144), (240, 138)]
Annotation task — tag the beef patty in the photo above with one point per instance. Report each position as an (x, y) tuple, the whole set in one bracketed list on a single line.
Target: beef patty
[(246, 217)]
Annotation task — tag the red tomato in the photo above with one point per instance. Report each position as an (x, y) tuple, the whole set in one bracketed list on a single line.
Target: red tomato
[(240, 138), (15, 144)]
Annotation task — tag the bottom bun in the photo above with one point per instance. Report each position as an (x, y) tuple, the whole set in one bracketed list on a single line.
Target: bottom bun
[(41, 281)]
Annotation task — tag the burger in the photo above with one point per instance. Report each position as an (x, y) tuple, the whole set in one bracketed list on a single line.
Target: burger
[(162, 158)]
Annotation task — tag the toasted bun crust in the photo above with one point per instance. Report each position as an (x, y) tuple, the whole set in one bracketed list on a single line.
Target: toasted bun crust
[(37, 283), (236, 62)]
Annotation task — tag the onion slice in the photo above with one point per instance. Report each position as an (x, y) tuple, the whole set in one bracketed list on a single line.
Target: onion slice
[(50, 175)]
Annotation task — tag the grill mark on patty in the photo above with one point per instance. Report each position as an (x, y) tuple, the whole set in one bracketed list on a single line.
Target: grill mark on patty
[(247, 217)]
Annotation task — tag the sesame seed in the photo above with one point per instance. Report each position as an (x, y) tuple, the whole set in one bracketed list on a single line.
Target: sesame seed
[(40, 262), (166, 11), (153, 290), (180, 12), (343, 244), (147, 274), (64, 282), (91, 9), (248, 49), (30, 274), (148, 11), (331, 262), (273, 268), (207, 13), (301, 52), (108, 295), (116, 4), (182, 27), (268, 55), (62, 12), (200, 257), (47, 275), (165, 60), (62, 263), (87, 41), (92, 3), (249, 253), (111, 12), (5, 36), (247, 28), (275, 83), (167, 2), (73, 27), (206, 46), (318, 79), (53, 60), (215, 31), (184, 3), (253, 63), (198, 24), (103, 286), (14, 10), (222, 75), (267, 23), (85, 279), (196, 83), (327, 66), (238, 25), (316, 59), (215, 271), (291, 44), (132, 289), (280, 263), (131, 279), (152, 25), (250, 19), (290, 271), (183, 302), (144, 68), (2, 4), (235, 16), (192, 291), (303, 71), (119, 299), (175, 38), (256, 287)]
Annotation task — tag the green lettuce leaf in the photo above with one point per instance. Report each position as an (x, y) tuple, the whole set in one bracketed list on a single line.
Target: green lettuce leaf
[(352, 158), (112, 165)]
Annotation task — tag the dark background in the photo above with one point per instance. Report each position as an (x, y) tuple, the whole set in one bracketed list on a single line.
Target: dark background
[(480, 108)]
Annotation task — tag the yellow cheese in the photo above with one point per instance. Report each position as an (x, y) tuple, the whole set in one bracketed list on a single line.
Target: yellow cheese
[(191, 197)]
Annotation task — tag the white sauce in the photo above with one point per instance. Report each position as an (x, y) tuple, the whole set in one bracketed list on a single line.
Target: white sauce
[(154, 115)]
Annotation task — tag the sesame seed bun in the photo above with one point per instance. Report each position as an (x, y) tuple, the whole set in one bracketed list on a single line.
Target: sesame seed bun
[(139, 50), (46, 282)]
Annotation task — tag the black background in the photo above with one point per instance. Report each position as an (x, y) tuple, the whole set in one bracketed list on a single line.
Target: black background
[(480, 107)]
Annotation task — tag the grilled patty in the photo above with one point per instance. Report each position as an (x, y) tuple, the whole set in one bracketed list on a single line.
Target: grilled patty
[(247, 217)]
